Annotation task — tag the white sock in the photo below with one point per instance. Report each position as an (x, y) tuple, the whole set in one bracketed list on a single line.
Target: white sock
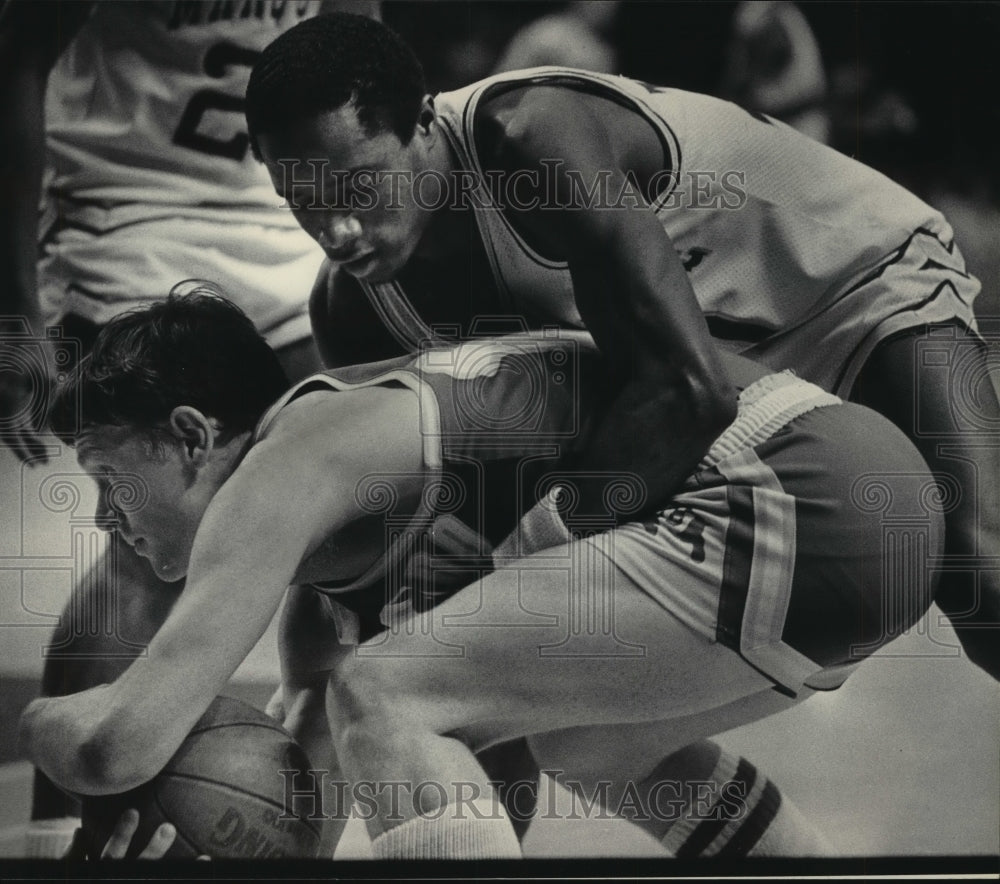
[(453, 833)]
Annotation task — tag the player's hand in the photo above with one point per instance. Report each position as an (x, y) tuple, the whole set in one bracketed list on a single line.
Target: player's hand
[(124, 831), (26, 375), (121, 838)]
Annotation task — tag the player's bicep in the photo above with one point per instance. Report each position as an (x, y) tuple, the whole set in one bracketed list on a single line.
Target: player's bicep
[(624, 268), (560, 155)]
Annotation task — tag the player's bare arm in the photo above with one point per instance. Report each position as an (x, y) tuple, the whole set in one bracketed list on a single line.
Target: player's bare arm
[(30, 43), (269, 516), (630, 287)]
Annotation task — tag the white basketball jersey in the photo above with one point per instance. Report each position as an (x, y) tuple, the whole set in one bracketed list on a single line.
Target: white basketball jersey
[(145, 106), (774, 229), (151, 179)]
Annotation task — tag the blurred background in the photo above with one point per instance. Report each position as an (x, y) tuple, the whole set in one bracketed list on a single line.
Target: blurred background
[(904, 758)]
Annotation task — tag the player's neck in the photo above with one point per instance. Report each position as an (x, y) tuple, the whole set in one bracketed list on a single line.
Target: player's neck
[(448, 231)]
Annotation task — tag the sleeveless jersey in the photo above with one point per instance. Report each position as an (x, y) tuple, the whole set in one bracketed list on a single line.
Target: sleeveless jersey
[(780, 234), (147, 152), (497, 416), (145, 107)]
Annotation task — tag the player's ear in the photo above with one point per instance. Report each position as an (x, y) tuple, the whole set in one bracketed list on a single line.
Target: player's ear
[(195, 431), (427, 115)]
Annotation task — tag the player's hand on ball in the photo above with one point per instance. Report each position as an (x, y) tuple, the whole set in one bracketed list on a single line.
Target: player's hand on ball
[(124, 831)]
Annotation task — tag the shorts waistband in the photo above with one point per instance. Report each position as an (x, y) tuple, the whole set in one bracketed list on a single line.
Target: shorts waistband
[(765, 407)]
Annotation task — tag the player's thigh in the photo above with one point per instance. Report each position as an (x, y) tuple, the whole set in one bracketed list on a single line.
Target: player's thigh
[(626, 753), (515, 654), (936, 382), (940, 387)]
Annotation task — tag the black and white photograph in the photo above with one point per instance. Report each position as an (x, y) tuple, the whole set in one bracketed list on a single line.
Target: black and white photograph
[(499, 439)]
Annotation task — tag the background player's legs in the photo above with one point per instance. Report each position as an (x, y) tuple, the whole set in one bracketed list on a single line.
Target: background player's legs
[(693, 797), (939, 391), (400, 714)]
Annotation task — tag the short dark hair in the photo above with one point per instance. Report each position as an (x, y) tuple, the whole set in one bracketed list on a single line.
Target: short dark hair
[(325, 62), (195, 348)]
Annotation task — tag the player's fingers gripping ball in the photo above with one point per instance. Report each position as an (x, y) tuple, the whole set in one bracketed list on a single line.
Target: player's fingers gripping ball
[(235, 789)]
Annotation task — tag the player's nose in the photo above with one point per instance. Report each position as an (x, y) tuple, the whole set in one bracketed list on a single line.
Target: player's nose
[(339, 233)]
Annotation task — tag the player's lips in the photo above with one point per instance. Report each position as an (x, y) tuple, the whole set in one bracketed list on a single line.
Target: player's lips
[(352, 263), (343, 258)]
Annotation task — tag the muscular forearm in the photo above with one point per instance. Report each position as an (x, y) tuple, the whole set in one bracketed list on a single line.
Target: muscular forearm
[(672, 395), (669, 393), (650, 437)]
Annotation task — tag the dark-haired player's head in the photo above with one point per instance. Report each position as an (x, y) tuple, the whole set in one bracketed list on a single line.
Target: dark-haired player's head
[(338, 112), (160, 413), (327, 62)]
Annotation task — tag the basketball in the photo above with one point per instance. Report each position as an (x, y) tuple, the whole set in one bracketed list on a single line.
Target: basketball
[(228, 791)]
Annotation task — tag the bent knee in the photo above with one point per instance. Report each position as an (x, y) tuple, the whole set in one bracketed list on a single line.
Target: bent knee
[(372, 698)]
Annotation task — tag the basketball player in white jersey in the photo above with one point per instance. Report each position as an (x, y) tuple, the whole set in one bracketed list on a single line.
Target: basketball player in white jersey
[(369, 487), (134, 113), (567, 194)]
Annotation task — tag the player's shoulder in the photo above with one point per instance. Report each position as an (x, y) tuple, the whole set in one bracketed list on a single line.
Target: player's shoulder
[(323, 422), (531, 118)]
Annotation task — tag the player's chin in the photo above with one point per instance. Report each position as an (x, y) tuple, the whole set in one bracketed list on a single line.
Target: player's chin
[(371, 268), (168, 571)]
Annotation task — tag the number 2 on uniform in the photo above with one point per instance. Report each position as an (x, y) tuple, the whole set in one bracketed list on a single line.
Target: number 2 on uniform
[(217, 60)]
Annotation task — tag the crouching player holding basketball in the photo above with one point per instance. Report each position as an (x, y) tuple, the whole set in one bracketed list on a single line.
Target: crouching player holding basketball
[(760, 581)]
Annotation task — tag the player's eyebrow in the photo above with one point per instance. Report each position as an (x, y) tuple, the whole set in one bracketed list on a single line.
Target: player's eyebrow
[(88, 449)]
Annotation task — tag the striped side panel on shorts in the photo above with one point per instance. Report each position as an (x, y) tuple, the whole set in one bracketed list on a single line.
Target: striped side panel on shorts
[(758, 570)]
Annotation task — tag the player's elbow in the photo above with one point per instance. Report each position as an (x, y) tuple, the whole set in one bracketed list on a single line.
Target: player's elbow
[(106, 766), (707, 403)]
